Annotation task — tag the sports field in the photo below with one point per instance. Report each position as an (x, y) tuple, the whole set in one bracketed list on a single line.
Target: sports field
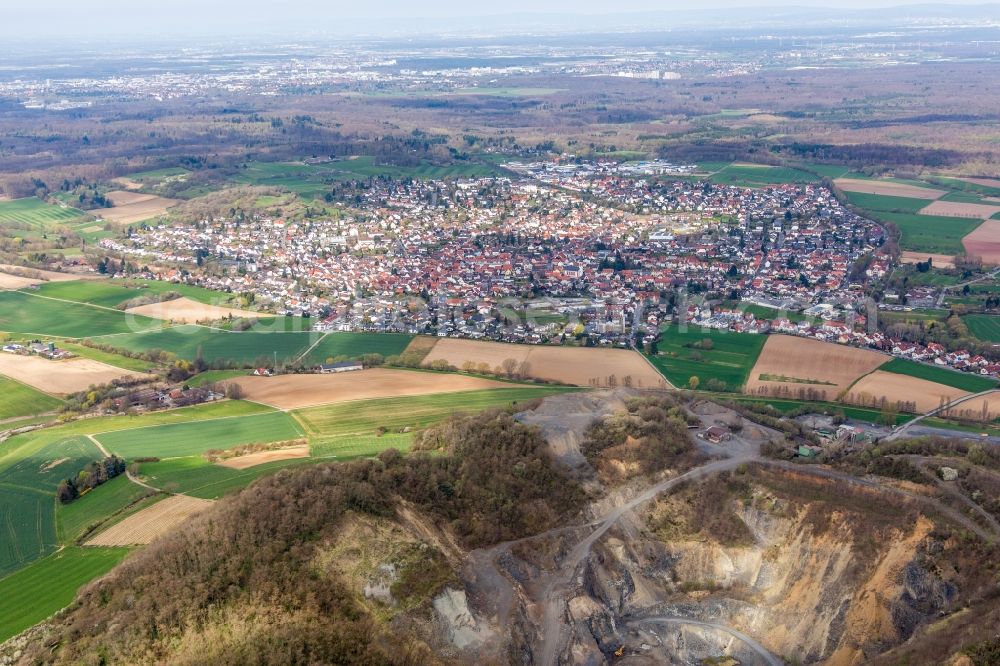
[(36, 213), (984, 327), (707, 354), (21, 400), (960, 380), (21, 312), (36, 592)]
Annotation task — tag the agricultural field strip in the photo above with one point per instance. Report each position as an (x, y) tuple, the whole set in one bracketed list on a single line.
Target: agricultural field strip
[(312, 347), (200, 422)]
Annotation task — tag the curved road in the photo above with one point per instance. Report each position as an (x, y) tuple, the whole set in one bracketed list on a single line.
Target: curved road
[(768, 658), (553, 595), (898, 432)]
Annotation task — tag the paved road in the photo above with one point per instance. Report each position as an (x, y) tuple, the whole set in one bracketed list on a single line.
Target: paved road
[(954, 403), (768, 658)]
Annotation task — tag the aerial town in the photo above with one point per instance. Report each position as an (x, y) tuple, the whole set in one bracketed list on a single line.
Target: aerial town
[(589, 253)]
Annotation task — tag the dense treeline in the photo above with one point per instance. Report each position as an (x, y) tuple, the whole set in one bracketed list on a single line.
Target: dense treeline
[(88, 478), (243, 583)]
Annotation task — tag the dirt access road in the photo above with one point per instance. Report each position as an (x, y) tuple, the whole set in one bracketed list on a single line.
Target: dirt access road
[(761, 651), (551, 596)]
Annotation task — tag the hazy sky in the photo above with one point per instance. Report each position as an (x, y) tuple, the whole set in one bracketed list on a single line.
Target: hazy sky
[(30, 19)]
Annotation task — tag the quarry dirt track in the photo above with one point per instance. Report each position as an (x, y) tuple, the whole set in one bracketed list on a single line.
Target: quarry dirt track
[(161, 518), (60, 377), (806, 359), (188, 311), (132, 207), (294, 391), (261, 457), (957, 209), (887, 188), (984, 242), (571, 365), (895, 388), (939, 260)]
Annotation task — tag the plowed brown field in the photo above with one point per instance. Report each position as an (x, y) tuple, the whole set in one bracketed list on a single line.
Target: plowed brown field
[(188, 311), (60, 377), (959, 209), (579, 366), (902, 388), (821, 366), (295, 391), (984, 242), (887, 188), (261, 457), (161, 518)]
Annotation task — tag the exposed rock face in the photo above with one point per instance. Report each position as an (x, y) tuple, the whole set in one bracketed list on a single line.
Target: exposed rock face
[(802, 593), (463, 630)]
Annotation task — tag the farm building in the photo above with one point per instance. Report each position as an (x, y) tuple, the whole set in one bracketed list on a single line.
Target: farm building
[(717, 434), (344, 366)]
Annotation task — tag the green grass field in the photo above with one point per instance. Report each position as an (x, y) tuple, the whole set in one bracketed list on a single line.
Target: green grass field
[(313, 180), (729, 360), (22, 312), (30, 470), (36, 214), (328, 426), (259, 346), (193, 475), (985, 327), (886, 203), (80, 516), (247, 347), (49, 585), (929, 233), (756, 176), (110, 293), (110, 358), (956, 184), (22, 400), (826, 170), (185, 439), (212, 376), (357, 344), (960, 380)]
